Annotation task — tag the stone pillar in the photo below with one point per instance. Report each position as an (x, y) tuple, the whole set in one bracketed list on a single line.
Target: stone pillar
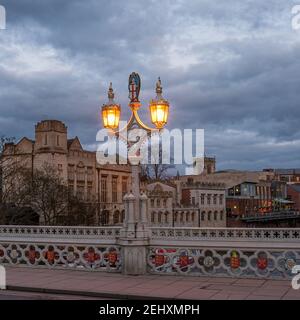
[(135, 185), (129, 230), (134, 238), (142, 225)]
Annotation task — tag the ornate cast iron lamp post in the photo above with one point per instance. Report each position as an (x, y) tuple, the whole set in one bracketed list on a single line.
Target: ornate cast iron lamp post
[(135, 226)]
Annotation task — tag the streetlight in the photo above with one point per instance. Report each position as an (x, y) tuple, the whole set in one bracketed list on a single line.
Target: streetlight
[(159, 112), (111, 111), (159, 107)]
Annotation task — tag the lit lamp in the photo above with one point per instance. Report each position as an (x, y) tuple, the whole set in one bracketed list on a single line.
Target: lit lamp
[(159, 108), (111, 111), (136, 216)]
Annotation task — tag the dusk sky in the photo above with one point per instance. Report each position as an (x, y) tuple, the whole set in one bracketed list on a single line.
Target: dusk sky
[(231, 67)]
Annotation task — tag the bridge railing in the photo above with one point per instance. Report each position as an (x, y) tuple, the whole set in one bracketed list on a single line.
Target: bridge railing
[(243, 253), (80, 248), (57, 233), (233, 252), (226, 234)]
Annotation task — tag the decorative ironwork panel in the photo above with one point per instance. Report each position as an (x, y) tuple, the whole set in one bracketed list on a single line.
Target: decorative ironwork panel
[(261, 263), (79, 257)]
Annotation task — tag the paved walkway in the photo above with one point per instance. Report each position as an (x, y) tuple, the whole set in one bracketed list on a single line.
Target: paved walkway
[(108, 285)]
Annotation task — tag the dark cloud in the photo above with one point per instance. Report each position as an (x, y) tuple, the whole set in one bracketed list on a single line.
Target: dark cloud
[(231, 68)]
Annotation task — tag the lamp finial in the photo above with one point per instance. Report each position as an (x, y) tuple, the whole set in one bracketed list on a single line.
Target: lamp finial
[(158, 87), (111, 94)]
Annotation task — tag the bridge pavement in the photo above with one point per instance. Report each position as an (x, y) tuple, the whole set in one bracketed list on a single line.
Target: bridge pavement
[(117, 286)]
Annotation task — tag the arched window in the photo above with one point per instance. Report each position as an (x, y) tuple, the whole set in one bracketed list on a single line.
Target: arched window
[(166, 217), (116, 217), (122, 216), (221, 215), (159, 217), (209, 216), (152, 217), (202, 215), (104, 217), (216, 215), (193, 216)]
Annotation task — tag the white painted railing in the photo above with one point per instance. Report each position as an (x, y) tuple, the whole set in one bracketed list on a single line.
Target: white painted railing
[(226, 234), (236, 252), (80, 248), (59, 233)]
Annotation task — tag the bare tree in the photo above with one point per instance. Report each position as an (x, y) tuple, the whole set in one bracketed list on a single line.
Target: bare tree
[(47, 194), (80, 212), (12, 170), (157, 170), (25, 191)]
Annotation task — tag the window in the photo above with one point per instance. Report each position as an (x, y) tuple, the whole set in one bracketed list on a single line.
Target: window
[(90, 174), (209, 216), (103, 189), (221, 199), (202, 198), (215, 215), (215, 199), (46, 140), (193, 216), (208, 199), (166, 217), (80, 173), (80, 192), (202, 215), (193, 201), (124, 186), (115, 189), (116, 217), (158, 202), (159, 217), (89, 191), (152, 217), (190, 180), (165, 203), (221, 215), (71, 172), (57, 140)]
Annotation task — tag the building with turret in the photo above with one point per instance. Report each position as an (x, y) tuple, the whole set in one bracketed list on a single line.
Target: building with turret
[(103, 184)]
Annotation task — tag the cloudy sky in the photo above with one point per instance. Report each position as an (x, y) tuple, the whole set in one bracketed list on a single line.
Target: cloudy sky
[(231, 67)]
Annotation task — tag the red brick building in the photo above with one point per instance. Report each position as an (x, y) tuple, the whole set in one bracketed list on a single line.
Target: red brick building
[(293, 192)]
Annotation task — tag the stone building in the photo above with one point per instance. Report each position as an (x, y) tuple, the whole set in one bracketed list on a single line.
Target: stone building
[(209, 200), (103, 184), (161, 201), (186, 204)]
